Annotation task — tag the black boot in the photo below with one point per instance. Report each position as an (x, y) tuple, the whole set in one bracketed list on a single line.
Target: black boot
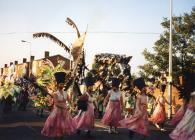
[(88, 134), (78, 132), (131, 133)]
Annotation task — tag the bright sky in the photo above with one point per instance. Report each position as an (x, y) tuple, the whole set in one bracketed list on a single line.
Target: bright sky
[(141, 19)]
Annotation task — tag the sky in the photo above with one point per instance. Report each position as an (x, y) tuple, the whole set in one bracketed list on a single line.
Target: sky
[(114, 26)]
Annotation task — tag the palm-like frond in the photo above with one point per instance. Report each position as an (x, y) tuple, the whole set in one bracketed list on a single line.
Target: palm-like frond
[(53, 38), (71, 23)]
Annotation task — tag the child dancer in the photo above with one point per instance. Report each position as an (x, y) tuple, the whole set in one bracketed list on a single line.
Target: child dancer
[(59, 122), (138, 123), (113, 110), (85, 117)]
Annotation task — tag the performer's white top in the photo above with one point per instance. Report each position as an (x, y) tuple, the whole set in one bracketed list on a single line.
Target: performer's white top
[(114, 95), (62, 96)]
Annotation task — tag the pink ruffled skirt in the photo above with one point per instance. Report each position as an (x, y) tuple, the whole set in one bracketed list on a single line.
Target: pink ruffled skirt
[(138, 122), (85, 120), (178, 116), (59, 123), (159, 114), (185, 130), (112, 114)]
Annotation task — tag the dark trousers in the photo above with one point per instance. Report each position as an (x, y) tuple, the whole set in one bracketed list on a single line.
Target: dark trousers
[(131, 133), (161, 125)]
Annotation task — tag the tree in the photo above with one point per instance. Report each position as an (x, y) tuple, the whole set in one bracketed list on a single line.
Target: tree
[(183, 48)]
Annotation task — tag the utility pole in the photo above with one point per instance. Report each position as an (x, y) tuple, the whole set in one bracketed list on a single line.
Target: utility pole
[(170, 64)]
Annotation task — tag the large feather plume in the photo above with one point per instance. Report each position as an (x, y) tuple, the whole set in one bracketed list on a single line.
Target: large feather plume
[(71, 23), (52, 37)]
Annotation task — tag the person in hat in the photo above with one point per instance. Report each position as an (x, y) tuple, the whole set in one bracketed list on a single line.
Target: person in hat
[(85, 117), (113, 112), (138, 122), (59, 122)]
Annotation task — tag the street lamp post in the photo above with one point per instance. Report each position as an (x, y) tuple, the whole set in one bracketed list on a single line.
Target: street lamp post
[(24, 41), (170, 64), (29, 46)]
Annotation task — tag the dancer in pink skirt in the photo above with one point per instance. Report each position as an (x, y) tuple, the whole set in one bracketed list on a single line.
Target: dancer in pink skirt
[(85, 117), (138, 123), (159, 115), (185, 130), (59, 122), (180, 113), (113, 110)]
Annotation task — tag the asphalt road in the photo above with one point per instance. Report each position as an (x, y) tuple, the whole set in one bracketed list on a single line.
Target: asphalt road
[(25, 125)]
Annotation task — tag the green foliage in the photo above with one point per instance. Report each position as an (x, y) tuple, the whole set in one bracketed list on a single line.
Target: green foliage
[(40, 101), (6, 90), (46, 76), (46, 79), (183, 48)]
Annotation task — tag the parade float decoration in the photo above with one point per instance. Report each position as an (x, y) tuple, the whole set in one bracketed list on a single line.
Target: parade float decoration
[(76, 72), (106, 66), (6, 90), (42, 85), (9, 95), (76, 51), (46, 83)]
